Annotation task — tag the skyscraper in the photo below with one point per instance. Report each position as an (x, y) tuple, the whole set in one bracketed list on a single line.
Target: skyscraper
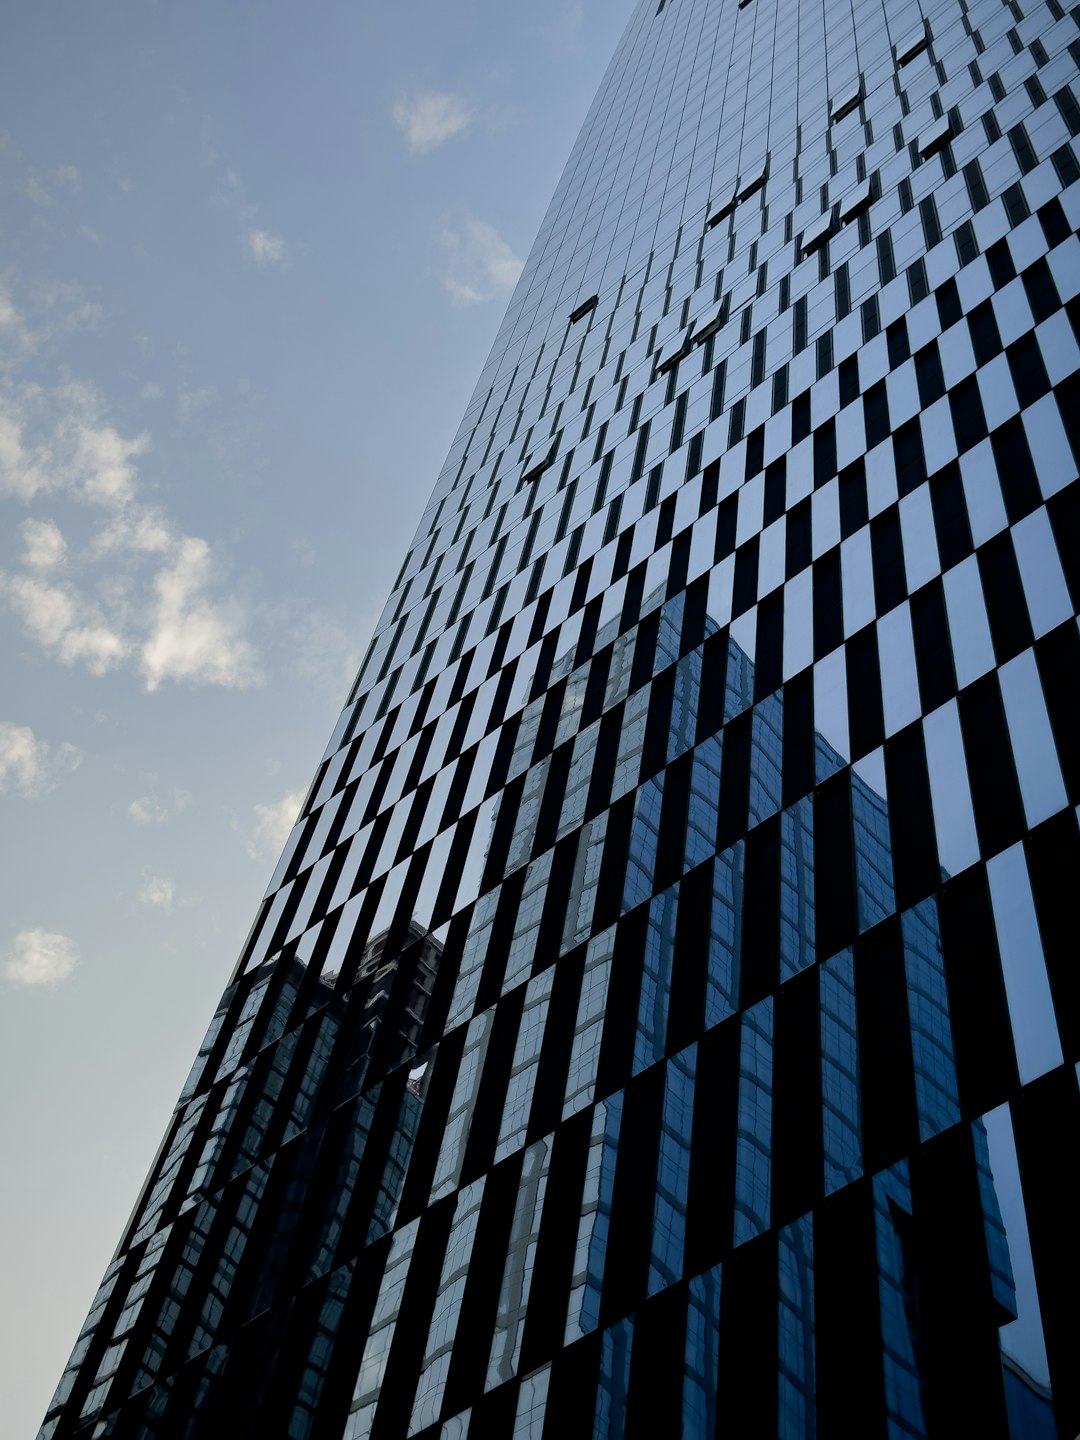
[(663, 1019)]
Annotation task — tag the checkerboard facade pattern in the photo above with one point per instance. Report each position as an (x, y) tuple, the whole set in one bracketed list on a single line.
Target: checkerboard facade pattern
[(664, 1018)]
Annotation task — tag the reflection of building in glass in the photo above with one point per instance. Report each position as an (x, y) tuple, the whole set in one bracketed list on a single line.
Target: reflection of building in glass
[(721, 732), (196, 1226)]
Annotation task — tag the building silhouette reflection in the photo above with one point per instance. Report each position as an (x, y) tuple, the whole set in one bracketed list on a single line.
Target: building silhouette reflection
[(757, 1125)]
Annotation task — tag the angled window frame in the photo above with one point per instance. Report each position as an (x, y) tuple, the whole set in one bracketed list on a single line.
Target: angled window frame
[(752, 182), (856, 202), (585, 308), (848, 100), (530, 476), (912, 45), (680, 352), (816, 234), (935, 138)]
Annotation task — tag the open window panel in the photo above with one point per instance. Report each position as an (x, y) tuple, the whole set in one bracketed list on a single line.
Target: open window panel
[(679, 352), (935, 138), (719, 216), (585, 308), (856, 202), (711, 326), (845, 102), (752, 181), (533, 473), (816, 234), (912, 44)]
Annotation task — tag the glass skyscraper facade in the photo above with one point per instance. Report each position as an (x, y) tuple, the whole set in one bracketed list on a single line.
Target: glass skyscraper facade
[(664, 1018)]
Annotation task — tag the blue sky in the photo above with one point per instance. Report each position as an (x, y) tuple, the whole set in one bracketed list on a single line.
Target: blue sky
[(252, 256)]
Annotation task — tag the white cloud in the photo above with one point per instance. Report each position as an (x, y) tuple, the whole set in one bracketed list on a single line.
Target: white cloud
[(150, 810), (64, 623), (327, 654), (265, 247), (60, 308), (147, 811), (480, 265), (191, 402), (60, 442), (76, 451), (156, 890), (272, 826), (37, 193), (40, 958), (135, 531), (429, 118), (68, 176), (316, 645), (30, 765), (169, 622), (12, 326), (44, 548), (192, 637)]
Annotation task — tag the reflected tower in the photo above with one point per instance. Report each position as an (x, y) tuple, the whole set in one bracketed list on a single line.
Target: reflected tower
[(663, 1018)]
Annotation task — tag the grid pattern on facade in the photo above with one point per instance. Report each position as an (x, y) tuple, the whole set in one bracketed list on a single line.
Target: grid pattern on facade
[(663, 1016)]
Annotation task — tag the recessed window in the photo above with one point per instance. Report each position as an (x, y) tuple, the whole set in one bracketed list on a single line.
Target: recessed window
[(913, 44), (751, 182), (672, 358), (817, 234), (935, 138), (856, 203), (710, 328), (585, 308), (844, 103), (721, 214), (532, 475)]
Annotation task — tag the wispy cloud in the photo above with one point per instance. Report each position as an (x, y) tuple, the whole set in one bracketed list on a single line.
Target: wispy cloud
[(40, 959), (44, 548), (191, 636), (150, 809), (261, 244), (141, 591), (147, 810), (193, 401), (9, 316), (56, 309), (479, 264), (37, 194), (272, 825), (265, 247), (66, 624), (77, 451), (157, 891), (428, 118), (30, 766), (318, 645), (12, 328)]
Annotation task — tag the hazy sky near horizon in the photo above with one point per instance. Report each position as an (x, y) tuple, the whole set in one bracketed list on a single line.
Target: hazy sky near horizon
[(252, 256)]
